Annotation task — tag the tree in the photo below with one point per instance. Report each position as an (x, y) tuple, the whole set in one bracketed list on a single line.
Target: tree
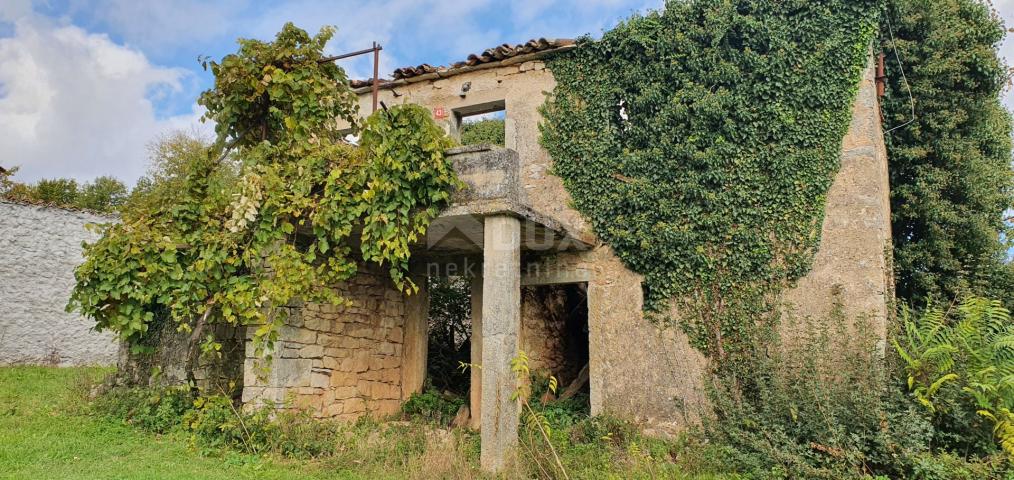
[(490, 130), (58, 191), (950, 168), (222, 233), (11, 189), (104, 194)]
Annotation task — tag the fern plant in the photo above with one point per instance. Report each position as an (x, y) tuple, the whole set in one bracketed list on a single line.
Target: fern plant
[(970, 355)]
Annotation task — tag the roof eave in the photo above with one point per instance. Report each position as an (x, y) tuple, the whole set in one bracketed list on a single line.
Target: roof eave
[(453, 71)]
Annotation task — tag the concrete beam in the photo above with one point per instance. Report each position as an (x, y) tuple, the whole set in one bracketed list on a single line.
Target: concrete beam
[(501, 325), (537, 277)]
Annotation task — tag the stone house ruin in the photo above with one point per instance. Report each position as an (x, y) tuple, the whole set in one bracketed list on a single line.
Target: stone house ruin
[(540, 280)]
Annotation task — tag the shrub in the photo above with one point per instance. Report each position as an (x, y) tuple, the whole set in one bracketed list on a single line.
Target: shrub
[(433, 406), (960, 366), (158, 410), (829, 404)]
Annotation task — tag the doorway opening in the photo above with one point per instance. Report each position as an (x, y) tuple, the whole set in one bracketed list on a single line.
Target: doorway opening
[(450, 334), (554, 335)]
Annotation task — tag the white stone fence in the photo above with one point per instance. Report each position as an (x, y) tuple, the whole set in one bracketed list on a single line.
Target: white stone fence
[(39, 248)]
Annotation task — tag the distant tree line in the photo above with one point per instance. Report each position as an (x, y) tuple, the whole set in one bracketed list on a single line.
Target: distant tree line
[(104, 194)]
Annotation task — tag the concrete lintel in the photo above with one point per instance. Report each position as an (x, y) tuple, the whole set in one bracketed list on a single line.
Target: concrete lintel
[(540, 277), (459, 229), (501, 326)]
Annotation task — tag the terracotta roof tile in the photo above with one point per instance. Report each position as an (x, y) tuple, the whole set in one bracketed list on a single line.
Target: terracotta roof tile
[(488, 56)]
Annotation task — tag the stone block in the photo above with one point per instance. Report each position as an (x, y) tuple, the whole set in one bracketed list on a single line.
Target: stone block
[(318, 324), (386, 362), (384, 408), (388, 349), (344, 393), (307, 402), (320, 379), (297, 335), (342, 379), (311, 351), (379, 390), (332, 410), (337, 352), (353, 405), (287, 372), (396, 335)]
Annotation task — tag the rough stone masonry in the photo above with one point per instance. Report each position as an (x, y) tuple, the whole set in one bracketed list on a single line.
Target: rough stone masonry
[(39, 248)]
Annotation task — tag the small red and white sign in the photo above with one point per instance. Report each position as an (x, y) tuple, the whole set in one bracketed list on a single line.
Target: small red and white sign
[(439, 113)]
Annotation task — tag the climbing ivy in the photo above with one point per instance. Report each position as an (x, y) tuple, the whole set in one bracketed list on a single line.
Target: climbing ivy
[(700, 142), (273, 211)]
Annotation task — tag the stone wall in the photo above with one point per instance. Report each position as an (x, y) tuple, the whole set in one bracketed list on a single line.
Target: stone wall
[(853, 263), (166, 364), (337, 361), (39, 249)]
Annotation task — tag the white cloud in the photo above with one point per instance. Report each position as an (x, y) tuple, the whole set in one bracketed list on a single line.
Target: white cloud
[(12, 10), (76, 104)]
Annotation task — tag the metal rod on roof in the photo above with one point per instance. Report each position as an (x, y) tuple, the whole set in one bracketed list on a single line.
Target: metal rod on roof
[(376, 75), (376, 48), (351, 54)]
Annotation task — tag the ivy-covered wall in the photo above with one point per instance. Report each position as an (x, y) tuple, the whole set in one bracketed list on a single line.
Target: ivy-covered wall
[(667, 386)]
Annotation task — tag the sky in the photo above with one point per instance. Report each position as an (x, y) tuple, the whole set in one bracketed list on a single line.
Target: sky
[(87, 85)]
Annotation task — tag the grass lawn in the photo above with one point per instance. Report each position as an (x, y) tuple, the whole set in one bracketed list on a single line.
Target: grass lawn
[(47, 431), (46, 434)]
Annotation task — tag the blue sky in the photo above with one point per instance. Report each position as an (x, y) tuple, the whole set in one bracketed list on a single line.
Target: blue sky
[(86, 85)]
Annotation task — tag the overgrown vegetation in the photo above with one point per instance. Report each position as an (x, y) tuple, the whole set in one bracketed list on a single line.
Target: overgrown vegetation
[(700, 142), (487, 131), (960, 366), (422, 448), (826, 405), (268, 212), (949, 145)]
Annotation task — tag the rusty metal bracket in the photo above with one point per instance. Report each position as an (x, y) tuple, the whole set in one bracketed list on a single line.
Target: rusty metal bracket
[(376, 48)]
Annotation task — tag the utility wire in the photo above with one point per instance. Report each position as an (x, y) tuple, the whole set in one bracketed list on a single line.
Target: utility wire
[(901, 67)]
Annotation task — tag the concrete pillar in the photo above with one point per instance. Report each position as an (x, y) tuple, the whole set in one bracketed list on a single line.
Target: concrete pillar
[(501, 323), (416, 340), (475, 384)]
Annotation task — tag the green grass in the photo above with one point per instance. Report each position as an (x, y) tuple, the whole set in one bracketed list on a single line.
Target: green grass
[(48, 429), (46, 433)]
